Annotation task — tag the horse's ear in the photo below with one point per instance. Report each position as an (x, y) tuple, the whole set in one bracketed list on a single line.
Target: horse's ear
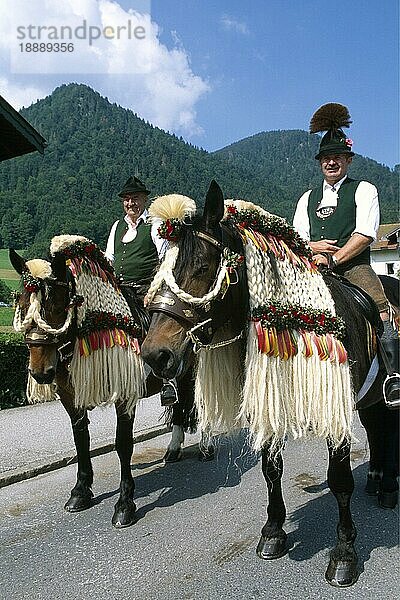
[(214, 205), (17, 261), (59, 267)]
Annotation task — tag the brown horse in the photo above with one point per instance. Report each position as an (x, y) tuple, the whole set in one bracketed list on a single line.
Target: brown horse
[(202, 301), (80, 335)]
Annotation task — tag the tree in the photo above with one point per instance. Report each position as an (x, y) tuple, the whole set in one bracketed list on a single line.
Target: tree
[(5, 293)]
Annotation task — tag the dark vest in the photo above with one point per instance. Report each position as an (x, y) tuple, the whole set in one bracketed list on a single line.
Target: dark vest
[(136, 261), (340, 225)]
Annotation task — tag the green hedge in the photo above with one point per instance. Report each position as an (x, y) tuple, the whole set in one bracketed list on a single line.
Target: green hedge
[(13, 370)]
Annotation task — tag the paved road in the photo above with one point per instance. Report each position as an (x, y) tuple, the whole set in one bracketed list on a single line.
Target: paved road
[(38, 438), (198, 526)]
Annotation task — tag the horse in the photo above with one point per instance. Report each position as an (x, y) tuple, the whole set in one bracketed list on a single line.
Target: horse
[(280, 349), (83, 344)]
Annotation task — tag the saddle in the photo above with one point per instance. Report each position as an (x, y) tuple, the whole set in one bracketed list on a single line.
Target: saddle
[(366, 304), (134, 294)]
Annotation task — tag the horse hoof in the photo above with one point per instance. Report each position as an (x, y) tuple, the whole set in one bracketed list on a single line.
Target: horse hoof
[(173, 455), (124, 517), (78, 503), (206, 455), (342, 573), (372, 486), (269, 549), (388, 499)]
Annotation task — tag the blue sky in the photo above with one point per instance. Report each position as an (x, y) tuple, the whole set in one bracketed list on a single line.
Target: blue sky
[(289, 58), (222, 71)]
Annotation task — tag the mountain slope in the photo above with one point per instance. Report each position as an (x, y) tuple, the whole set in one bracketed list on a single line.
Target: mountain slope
[(286, 157), (94, 146)]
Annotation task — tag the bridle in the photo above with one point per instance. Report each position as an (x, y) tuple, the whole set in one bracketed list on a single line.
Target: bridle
[(37, 331), (200, 313)]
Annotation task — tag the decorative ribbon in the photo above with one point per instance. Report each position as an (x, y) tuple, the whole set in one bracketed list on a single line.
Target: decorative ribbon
[(284, 343), (106, 338)]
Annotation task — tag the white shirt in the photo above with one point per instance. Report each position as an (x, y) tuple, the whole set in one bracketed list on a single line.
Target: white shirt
[(131, 234), (367, 208)]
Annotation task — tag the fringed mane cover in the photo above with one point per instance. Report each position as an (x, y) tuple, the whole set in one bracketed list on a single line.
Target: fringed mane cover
[(295, 378), (106, 366)]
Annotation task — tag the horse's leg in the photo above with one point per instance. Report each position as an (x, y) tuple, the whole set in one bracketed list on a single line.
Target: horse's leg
[(342, 568), (81, 493), (184, 418), (389, 490), (125, 508), (180, 418), (174, 448), (273, 541), (382, 427)]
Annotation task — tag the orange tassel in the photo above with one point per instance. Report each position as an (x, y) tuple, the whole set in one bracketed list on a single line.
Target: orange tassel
[(321, 345), (341, 352), (308, 351), (273, 342)]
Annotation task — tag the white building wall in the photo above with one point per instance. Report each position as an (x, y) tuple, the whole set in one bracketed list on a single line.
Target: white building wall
[(380, 260)]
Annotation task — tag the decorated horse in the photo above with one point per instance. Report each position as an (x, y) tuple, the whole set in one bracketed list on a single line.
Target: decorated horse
[(84, 347), (280, 349)]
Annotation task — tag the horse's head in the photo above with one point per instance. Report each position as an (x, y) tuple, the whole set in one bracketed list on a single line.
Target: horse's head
[(198, 298), (42, 312)]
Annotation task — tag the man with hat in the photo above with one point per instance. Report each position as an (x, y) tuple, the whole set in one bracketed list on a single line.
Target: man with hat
[(135, 248), (340, 219)]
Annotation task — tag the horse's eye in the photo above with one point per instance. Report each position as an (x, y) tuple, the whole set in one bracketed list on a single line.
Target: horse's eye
[(202, 269)]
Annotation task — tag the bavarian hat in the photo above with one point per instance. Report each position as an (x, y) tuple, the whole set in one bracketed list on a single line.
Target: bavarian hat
[(132, 185), (331, 118)]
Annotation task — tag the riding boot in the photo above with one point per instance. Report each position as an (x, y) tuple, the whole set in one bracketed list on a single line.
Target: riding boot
[(390, 342), (168, 394)]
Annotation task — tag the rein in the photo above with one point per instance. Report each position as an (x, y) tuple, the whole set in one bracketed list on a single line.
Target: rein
[(197, 311)]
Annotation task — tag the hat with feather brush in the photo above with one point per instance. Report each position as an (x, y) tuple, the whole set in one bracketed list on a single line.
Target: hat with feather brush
[(331, 118)]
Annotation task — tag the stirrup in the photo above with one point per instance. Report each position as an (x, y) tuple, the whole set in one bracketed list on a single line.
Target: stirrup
[(391, 391), (168, 394)]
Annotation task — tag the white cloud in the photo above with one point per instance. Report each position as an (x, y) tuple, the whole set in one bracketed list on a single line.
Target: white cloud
[(232, 24), (142, 74)]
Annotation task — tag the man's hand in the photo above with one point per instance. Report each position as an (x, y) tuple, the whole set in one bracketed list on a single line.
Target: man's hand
[(319, 259), (324, 246)]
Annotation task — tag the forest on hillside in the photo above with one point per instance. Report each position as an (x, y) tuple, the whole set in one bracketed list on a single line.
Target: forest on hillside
[(94, 146)]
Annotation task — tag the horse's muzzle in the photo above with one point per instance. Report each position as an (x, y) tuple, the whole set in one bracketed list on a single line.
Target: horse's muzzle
[(163, 362), (46, 376)]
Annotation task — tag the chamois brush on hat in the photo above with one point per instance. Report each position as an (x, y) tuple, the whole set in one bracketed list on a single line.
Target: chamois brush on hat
[(331, 118)]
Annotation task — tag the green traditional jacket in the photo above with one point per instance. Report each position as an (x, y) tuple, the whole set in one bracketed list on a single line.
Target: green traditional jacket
[(135, 261), (341, 224)]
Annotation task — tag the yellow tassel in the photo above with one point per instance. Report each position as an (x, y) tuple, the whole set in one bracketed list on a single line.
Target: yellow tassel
[(308, 351), (85, 347), (249, 234), (273, 342), (321, 345)]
